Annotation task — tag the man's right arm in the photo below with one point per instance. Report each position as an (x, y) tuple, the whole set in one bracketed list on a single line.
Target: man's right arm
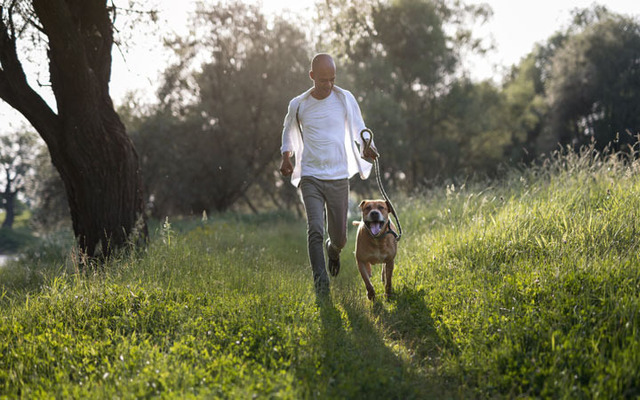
[(288, 139)]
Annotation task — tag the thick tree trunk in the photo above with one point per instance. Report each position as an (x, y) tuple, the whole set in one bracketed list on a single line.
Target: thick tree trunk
[(96, 159), (87, 141), (99, 168)]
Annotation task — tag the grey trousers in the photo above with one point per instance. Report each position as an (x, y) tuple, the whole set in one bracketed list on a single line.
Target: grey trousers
[(322, 199)]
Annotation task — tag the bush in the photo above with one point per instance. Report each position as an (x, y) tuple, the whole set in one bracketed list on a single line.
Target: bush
[(13, 240)]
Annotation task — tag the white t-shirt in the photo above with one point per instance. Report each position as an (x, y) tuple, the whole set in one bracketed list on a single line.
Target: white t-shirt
[(323, 132), (354, 146)]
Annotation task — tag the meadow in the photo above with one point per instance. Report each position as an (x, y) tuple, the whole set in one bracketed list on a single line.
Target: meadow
[(526, 287)]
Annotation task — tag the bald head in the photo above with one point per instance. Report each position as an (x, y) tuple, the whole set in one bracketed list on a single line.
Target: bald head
[(322, 60), (323, 75)]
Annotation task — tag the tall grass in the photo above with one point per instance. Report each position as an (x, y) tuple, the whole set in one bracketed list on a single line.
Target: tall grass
[(526, 287), (536, 279)]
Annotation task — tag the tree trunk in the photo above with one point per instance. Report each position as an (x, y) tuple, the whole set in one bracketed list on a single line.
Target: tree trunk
[(9, 209), (9, 201), (99, 168), (9, 197), (86, 139)]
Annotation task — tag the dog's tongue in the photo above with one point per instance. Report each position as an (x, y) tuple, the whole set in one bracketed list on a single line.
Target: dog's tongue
[(375, 227)]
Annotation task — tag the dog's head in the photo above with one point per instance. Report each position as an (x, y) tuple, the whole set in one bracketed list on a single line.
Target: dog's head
[(375, 214)]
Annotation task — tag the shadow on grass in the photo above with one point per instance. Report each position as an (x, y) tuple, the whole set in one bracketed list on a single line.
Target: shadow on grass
[(409, 320), (362, 352)]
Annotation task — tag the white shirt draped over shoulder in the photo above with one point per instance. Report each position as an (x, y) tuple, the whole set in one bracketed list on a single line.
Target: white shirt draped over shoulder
[(292, 137)]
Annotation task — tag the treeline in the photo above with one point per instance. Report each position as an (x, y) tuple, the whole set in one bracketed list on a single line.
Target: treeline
[(212, 141)]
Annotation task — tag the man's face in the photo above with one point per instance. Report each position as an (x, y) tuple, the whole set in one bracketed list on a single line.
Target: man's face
[(324, 77)]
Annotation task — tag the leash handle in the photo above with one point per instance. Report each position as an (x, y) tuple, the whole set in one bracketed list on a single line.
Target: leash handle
[(367, 144), (367, 141)]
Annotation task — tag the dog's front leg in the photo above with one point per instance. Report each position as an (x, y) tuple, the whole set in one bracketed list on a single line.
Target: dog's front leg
[(365, 272), (388, 272)]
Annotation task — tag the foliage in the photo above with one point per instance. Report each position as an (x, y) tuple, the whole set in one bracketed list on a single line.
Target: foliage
[(475, 120), (526, 287), (215, 136), (49, 205), (526, 106), (400, 60), (12, 240), (17, 158), (592, 87), (35, 180), (217, 131), (18, 153)]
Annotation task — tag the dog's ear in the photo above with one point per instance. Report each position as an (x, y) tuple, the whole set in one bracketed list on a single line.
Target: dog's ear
[(362, 203), (389, 206)]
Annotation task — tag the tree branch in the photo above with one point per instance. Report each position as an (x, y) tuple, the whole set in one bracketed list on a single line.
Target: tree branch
[(15, 90)]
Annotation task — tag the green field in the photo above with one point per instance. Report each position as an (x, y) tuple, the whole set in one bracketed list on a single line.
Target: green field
[(523, 287)]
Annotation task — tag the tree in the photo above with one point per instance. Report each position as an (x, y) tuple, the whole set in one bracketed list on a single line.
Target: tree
[(526, 105), (85, 137), (17, 158), (217, 131), (400, 59), (593, 89), (474, 118)]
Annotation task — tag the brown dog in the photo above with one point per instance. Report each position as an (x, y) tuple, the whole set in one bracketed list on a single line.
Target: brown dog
[(375, 243)]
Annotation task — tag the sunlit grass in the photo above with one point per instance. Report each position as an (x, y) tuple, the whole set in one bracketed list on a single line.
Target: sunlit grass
[(527, 287)]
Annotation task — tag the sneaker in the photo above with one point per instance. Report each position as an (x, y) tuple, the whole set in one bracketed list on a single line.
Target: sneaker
[(332, 265)]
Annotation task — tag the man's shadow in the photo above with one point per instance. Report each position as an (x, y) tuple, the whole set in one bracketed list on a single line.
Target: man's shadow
[(357, 358)]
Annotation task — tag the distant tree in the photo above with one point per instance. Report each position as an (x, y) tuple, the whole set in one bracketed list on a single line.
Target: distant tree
[(47, 197), (593, 89), (87, 141), (525, 103), (17, 160), (217, 131), (526, 106), (475, 120), (399, 58)]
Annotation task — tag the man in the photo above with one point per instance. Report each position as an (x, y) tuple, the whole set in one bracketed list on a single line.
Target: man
[(322, 131)]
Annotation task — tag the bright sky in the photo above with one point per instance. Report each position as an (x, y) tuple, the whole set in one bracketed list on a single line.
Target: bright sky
[(515, 27)]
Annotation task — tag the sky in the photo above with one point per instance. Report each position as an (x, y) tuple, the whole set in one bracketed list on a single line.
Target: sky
[(514, 28), (517, 25)]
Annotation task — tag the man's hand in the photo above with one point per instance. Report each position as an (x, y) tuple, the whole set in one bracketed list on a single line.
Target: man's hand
[(286, 167), (370, 153)]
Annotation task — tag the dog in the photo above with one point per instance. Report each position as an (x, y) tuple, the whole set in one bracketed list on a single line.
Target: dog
[(376, 243)]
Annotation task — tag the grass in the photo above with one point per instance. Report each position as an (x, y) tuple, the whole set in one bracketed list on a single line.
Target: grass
[(527, 287)]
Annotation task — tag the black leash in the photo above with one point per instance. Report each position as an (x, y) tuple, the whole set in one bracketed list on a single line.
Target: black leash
[(376, 165)]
